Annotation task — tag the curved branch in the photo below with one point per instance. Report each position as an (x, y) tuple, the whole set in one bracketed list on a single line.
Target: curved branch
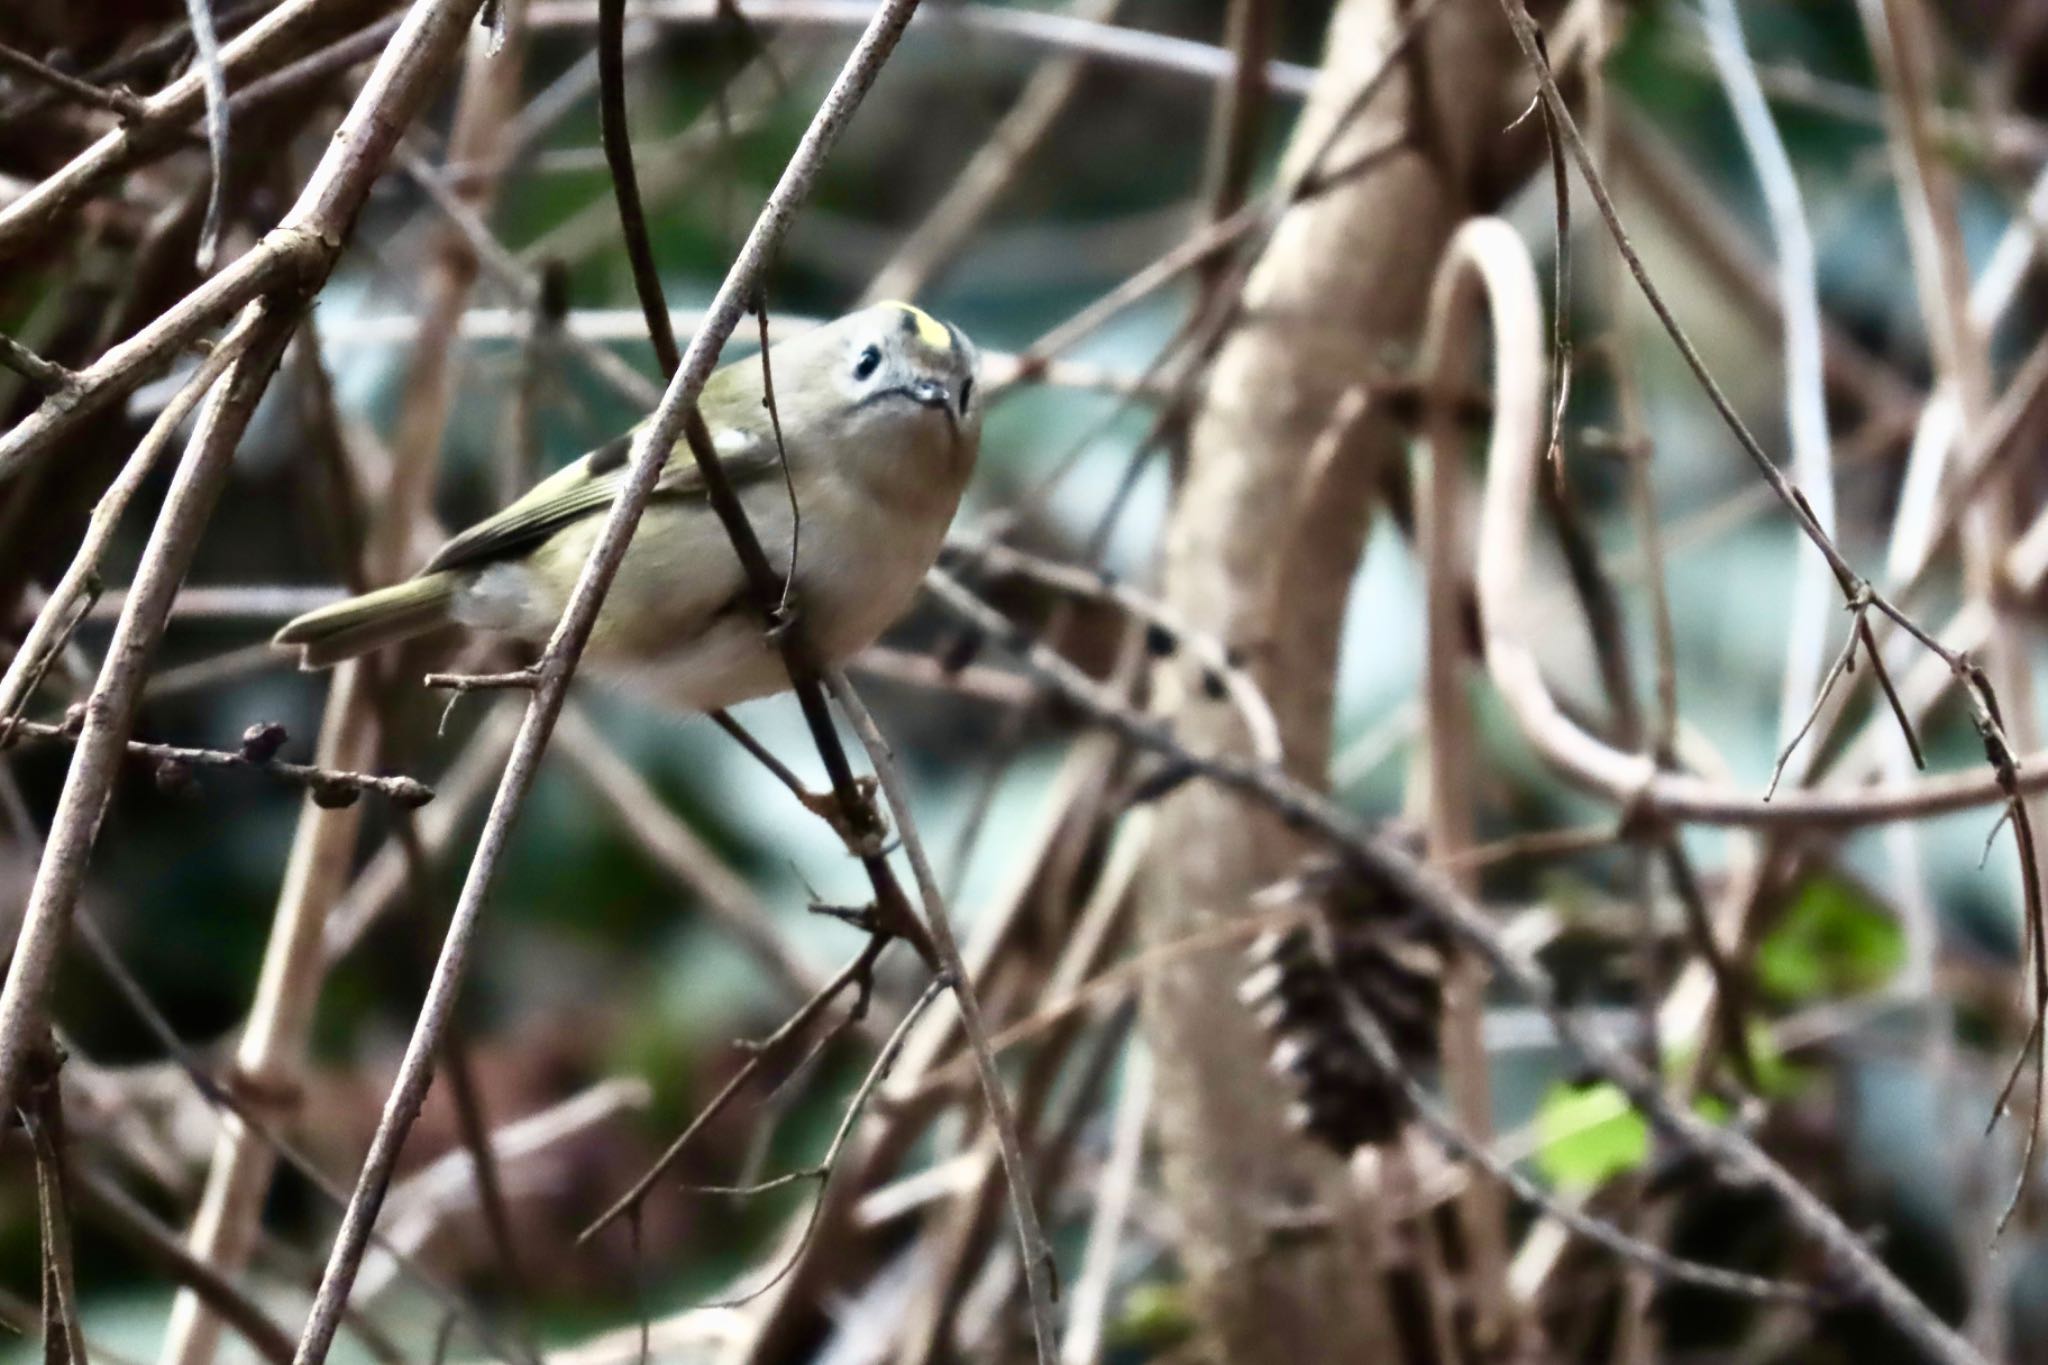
[(1499, 263)]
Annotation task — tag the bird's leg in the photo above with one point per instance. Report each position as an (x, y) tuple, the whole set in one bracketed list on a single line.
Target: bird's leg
[(825, 805)]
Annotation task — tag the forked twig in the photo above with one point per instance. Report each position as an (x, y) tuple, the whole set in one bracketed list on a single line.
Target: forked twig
[(857, 975), (1845, 662), (1041, 1271), (47, 375), (1998, 753), (884, 1062), (1530, 39)]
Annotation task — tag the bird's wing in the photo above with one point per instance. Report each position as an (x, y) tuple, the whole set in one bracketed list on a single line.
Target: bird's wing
[(588, 485)]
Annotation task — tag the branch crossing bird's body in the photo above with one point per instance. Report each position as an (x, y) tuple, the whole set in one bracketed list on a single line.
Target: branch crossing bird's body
[(880, 425)]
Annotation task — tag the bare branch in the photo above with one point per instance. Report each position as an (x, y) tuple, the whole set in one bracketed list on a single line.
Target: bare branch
[(174, 763), (46, 375), (170, 108), (206, 56), (856, 975), (1428, 890), (1041, 1272), (650, 452), (618, 154), (45, 637), (118, 101), (107, 1203), (110, 711), (1063, 32), (1444, 1127)]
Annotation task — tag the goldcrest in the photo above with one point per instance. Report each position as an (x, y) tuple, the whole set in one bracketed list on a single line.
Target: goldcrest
[(881, 426)]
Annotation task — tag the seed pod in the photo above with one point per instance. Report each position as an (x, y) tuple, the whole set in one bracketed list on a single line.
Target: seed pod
[(261, 741), (1360, 949)]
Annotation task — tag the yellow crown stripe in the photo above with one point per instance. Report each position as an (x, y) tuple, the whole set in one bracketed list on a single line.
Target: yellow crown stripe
[(930, 330)]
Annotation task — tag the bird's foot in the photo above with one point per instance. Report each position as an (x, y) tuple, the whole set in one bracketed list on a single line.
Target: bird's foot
[(865, 833)]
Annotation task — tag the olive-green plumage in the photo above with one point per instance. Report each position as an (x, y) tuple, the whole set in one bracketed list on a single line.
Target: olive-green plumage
[(331, 634), (880, 427)]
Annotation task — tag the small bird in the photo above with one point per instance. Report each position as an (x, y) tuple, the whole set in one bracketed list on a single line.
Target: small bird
[(880, 430)]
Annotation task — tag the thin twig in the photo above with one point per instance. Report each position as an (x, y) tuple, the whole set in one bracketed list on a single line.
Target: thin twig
[(618, 155), (47, 376), (101, 746), (1041, 1271), (651, 449), (796, 513), (1429, 892), (1805, 382), (884, 1062), (1845, 660), (1444, 1127), (118, 100), (206, 56), (856, 975), (174, 762), (46, 635), (461, 684)]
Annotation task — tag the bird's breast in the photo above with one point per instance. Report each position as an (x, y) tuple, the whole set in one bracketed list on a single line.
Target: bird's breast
[(857, 577)]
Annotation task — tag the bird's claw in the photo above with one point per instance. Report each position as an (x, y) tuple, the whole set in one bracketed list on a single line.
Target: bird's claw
[(862, 843)]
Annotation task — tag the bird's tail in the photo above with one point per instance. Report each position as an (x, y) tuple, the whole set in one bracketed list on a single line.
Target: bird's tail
[(325, 637)]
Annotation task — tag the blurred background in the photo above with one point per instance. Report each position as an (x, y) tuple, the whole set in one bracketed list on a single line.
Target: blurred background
[(606, 976)]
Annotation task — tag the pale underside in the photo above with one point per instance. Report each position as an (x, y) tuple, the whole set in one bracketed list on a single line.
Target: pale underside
[(678, 626)]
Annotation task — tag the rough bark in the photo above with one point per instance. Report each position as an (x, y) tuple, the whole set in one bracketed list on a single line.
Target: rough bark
[(1274, 1237)]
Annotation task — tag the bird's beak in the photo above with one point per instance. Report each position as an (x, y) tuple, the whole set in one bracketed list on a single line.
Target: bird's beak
[(930, 393)]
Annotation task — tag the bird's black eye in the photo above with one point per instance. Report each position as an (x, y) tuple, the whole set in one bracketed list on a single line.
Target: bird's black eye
[(966, 394), (870, 359)]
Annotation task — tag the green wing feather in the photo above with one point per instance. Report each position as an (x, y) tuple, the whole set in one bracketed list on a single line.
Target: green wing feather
[(587, 486)]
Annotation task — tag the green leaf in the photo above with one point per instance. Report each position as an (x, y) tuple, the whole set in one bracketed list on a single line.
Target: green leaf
[(1832, 941), (1777, 1077), (1589, 1135), (1155, 1317)]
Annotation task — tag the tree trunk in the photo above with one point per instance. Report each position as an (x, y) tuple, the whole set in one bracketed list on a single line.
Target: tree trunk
[(1280, 1257)]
